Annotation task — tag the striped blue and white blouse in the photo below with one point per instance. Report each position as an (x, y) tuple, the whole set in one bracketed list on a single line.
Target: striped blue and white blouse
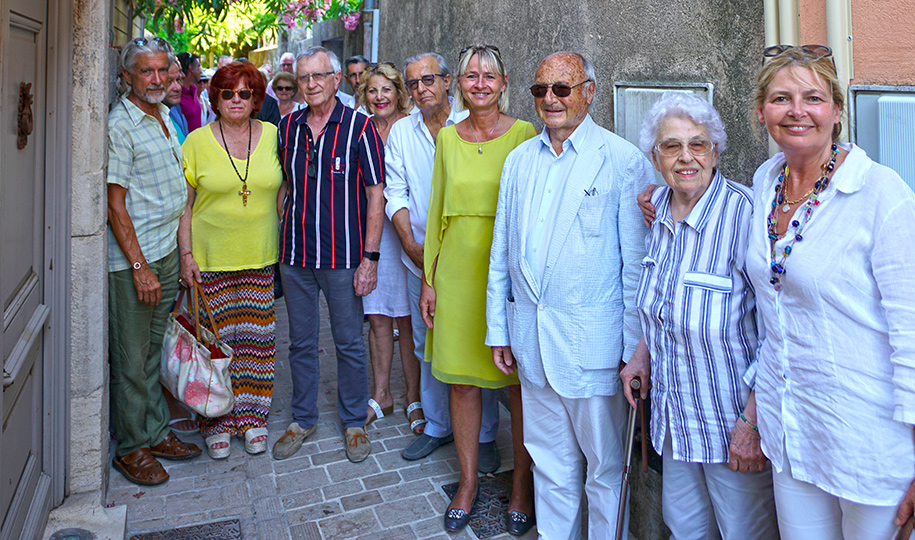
[(697, 310)]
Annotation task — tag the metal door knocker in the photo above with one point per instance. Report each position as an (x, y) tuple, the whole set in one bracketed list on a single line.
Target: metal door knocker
[(25, 114)]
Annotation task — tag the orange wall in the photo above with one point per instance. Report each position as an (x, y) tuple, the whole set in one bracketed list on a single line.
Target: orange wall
[(883, 38)]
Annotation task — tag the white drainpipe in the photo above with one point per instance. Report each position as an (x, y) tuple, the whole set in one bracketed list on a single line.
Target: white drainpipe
[(839, 39)]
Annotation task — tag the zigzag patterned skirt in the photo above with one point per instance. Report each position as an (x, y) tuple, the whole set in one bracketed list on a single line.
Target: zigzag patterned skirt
[(242, 303)]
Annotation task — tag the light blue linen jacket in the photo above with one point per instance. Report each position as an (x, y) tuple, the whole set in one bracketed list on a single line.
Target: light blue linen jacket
[(571, 330)]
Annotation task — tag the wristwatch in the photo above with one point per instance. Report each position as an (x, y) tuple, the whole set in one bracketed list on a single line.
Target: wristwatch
[(137, 265), (371, 255)]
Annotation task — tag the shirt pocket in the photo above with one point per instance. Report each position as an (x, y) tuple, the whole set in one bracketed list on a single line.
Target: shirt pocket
[(709, 282), (591, 214)]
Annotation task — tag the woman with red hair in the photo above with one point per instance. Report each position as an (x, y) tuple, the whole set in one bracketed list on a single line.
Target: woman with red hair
[(228, 243)]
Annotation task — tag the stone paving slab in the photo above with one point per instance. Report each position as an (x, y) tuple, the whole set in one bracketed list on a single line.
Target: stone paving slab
[(316, 494)]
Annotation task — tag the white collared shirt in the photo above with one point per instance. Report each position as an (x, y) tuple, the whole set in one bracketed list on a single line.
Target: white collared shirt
[(545, 194), (835, 386), (696, 309), (409, 158)]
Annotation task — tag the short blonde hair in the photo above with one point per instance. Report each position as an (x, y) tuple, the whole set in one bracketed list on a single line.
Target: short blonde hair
[(391, 73), (491, 60), (797, 57)]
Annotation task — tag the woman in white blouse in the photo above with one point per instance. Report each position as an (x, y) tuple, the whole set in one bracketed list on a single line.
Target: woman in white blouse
[(696, 309), (832, 260)]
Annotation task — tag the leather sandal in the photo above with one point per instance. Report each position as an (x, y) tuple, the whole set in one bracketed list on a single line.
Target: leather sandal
[(175, 449), (379, 412), (416, 426), (140, 467)]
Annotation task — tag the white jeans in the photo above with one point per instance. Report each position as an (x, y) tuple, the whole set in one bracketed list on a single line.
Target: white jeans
[(806, 512), (561, 434), (707, 501)]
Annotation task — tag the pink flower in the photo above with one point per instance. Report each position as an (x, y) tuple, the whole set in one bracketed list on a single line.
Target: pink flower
[(179, 25), (351, 20)]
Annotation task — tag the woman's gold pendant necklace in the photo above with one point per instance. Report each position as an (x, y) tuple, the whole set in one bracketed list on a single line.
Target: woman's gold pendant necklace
[(244, 181)]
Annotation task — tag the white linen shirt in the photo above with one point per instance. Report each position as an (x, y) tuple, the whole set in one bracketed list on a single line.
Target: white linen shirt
[(835, 386), (546, 196), (409, 157), (696, 309)]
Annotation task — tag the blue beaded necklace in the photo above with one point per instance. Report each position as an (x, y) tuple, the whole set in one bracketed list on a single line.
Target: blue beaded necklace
[(778, 268)]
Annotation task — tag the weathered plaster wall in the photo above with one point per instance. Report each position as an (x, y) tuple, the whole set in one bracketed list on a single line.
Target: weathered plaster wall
[(717, 41), (89, 367)]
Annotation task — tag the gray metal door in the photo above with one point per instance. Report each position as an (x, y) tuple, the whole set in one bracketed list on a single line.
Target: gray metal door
[(24, 486)]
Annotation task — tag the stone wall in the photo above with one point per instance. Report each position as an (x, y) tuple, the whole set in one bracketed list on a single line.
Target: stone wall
[(696, 41), (93, 64)]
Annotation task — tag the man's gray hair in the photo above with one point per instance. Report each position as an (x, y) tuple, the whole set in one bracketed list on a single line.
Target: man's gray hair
[(315, 50), (442, 64), (683, 105), (139, 46), (358, 59)]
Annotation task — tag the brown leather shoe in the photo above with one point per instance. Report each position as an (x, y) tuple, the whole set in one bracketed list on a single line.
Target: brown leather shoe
[(141, 468), (172, 448)]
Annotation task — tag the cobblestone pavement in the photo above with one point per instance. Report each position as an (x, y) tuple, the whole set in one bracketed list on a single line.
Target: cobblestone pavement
[(317, 493)]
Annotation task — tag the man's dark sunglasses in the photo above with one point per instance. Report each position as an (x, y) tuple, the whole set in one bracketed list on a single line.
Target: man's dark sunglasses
[(559, 89), (428, 80), (227, 94)]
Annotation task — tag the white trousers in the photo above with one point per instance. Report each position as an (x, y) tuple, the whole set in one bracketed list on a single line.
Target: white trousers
[(562, 436), (708, 501), (806, 512)]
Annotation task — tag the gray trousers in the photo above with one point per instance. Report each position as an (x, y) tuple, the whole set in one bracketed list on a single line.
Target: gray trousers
[(301, 287)]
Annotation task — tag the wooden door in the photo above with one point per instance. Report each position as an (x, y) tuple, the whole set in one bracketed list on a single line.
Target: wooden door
[(24, 484)]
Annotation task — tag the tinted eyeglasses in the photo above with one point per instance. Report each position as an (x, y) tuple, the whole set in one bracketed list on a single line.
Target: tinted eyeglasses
[(428, 80), (227, 94), (281, 88), (673, 147), (157, 41), (559, 89), (810, 50), (312, 169)]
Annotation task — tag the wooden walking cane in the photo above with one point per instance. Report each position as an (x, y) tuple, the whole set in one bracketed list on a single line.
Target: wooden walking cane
[(635, 384)]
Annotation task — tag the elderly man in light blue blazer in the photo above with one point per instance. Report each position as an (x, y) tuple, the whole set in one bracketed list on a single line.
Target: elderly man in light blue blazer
[(565, 264)]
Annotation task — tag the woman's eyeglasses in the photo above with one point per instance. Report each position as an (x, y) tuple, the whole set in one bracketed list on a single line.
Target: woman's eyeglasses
[(673, 147), (559, 89), (810, 50), (227, 94), (279, 88), (478, 47)]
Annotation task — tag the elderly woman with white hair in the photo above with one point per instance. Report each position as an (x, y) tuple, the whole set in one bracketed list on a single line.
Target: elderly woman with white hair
[(697, 310)]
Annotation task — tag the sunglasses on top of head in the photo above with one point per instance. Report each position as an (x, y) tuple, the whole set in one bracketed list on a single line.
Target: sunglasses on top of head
[(817, 51)]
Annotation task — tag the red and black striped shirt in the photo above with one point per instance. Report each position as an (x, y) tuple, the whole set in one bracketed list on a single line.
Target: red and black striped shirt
[(323, 224)]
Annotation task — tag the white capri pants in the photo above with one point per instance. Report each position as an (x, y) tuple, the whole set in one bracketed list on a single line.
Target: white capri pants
[(708, 501), (806, 512)]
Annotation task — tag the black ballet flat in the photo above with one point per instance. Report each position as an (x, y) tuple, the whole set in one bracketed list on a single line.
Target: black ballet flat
[(519, 523), (456, 518)]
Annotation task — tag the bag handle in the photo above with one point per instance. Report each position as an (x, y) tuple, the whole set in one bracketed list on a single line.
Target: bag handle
[(206, 305)]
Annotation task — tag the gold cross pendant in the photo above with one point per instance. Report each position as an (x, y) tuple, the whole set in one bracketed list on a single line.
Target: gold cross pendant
[(244, 194)]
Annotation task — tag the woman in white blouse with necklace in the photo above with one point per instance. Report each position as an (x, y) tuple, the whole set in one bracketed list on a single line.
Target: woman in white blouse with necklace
[(832, 259)]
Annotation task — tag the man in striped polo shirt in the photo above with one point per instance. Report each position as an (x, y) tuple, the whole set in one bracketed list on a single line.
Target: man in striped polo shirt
[(331, 207)]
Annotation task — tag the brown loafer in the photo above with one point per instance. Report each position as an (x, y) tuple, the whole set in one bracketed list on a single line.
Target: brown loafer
[(140, 467), (172, 448)]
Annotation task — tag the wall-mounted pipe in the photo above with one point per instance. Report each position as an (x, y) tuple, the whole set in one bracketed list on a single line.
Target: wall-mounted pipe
[(770, 16), (789, 27)]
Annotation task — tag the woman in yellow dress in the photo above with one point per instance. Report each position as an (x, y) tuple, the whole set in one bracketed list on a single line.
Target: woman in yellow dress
[(465, 186)]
